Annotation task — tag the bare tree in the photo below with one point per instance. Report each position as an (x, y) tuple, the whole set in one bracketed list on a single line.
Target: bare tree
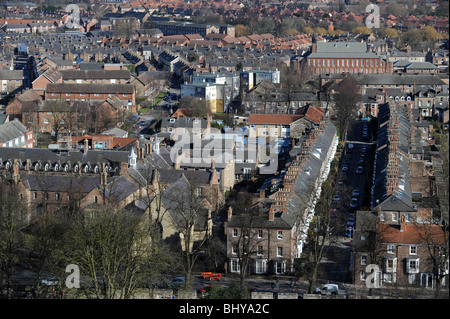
[(46, 240), (194, 106), (12, 220), (290, 84), (435, 237), (346, 100), (190, 207), (322, 233), (114, 251), (246, 241)]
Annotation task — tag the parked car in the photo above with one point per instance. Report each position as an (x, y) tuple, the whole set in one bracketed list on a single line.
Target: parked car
[(333, 212), (355, 192), (354, 202), (52, 281), (177, 281), (337, 198), (211, 275), (204, 289), (359, 170), (328, 289), (350, 148)]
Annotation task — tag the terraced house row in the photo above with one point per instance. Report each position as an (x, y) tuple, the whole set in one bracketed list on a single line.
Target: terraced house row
[(274, 234)]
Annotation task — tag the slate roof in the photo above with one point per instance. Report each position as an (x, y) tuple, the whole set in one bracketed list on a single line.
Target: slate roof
[(282, 220), (401, 199), (180, 205), (421, 66), (11, 74), (58, 183), (120, 188), (114, 158), (11, 130), (400, 79), (95, 74), (90, 88), (342, 50), (183, 122), (310, 170), (283, 119)]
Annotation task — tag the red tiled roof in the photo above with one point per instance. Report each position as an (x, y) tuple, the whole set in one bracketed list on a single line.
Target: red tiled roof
[(116, 141), (412, 234), (312, 113)]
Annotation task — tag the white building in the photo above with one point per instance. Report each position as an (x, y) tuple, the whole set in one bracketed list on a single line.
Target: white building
[(212, 93), (251, 78)]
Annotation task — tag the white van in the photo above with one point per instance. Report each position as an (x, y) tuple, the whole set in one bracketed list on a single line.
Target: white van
[(328, 289)]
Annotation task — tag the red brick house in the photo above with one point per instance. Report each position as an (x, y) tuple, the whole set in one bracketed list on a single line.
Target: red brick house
[(91, 92), (401, 246), (344, 57)]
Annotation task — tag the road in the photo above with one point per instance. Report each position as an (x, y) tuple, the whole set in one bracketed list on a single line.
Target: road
[(336, 266)]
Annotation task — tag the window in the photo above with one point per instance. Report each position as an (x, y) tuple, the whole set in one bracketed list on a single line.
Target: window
[(279, 251), (395, 217), (363, 260), (280, 267), (390, 263), (234, 249), (57, 196), (235, 232), (259, 251), (260, 266), (235, 267), (413, 250), (280, 234), (390, 249), (260, 233), (383, 217), (413, 264), (362, 275), (35, 195)]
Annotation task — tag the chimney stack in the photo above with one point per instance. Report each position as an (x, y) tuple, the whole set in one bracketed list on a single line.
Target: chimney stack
[(271, 214), (230, 213), (16, 173), (86, 145), (262, 194), (104, 175)]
